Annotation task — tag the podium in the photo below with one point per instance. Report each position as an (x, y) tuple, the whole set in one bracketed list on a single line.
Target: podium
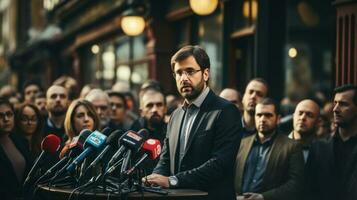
[(46, 193)]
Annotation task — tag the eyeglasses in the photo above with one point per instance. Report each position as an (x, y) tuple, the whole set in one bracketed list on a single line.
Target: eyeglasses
[(188, 73), (8, 114), (116, 105), (29, 120), (102, 107)]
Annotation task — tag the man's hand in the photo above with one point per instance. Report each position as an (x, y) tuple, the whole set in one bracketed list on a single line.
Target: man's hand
[(239, 197), (253, 196), (157, 179)]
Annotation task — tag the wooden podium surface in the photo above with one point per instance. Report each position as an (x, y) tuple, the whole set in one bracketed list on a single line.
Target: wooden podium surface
[(46, 193)]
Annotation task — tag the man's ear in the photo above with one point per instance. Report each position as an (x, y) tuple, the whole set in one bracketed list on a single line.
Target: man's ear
[(206, 74), (278, 119), (140, 111)]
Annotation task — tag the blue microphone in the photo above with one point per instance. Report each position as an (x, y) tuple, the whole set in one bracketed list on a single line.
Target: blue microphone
[(94, 142)]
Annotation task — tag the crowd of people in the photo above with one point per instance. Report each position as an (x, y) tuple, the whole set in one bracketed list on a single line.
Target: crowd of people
[(232, 145)]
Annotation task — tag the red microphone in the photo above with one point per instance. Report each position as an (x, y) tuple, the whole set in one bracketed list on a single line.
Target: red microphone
[(151, 148), (49, 145)]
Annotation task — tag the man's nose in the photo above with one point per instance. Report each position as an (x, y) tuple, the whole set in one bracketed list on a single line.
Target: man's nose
[(336, 108)]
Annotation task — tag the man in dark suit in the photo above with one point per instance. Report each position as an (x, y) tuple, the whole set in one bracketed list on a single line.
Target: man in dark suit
[(269, 165), (331, 165), (203, 134)]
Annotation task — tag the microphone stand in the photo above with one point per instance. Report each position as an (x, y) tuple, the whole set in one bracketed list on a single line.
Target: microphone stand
[(137, 185)]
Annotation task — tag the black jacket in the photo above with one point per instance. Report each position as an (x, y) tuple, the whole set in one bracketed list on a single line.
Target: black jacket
[(321, 180), (211, 147), (10, 187)]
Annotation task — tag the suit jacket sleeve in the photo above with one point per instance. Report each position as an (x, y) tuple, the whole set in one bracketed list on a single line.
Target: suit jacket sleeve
[(163, 166), (226, 142), (293, 187)]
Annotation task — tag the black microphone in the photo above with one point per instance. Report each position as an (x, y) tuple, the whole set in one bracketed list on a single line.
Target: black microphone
[(130, 140), (107, 131), (111, 140), (50, 145), (151, 149)]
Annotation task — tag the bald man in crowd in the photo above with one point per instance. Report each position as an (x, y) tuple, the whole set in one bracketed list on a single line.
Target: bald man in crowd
[(306, 120), (101, 102), (233, 96), (57, 105)]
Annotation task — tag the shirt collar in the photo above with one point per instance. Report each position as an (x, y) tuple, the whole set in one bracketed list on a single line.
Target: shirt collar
[(49, 123), (244, 126), (291, 135), (267, 142), (199, 100)]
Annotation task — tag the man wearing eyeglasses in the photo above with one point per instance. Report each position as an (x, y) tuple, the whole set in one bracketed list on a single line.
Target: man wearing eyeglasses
[(203, 134)]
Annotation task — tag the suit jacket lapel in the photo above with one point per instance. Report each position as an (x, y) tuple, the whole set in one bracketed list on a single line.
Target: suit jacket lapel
[(194, 129), (198, 120), (174, 136), (241, 159), (273, 155)]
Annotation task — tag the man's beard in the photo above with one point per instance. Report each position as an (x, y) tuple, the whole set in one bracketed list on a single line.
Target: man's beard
[(268, 131), (104, 122), (58, 113), (195, 91), (155, 121)]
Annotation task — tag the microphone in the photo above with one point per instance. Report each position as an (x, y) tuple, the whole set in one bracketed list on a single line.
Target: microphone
[(49, 145), (74, 149), (151, 149), (94, 142), (111, 140), (130, 141), (107, 131)]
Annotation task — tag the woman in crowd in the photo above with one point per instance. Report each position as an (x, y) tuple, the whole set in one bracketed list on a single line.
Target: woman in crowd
[(14, 157), (80, 115), (29, 124)]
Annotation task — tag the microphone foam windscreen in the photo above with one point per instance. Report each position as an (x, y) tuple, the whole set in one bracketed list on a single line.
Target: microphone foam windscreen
[(83, 135), (107, 131), (143, 133), (114, 136), (51, 143), (152, 147)]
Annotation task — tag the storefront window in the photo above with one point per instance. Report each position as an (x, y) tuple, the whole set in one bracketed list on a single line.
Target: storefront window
[(135, 72), (210, 37)]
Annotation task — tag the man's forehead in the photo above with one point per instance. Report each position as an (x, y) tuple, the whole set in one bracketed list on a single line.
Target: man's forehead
[(307, 106), (116, 99), (256, 85), (189, 62), (151, 98), (100, 100), (56, 90), (347, 95), (32, 87), (264, 108)]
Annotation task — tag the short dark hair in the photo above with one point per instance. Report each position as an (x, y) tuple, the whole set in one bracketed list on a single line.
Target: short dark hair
[(261, 80), (197, 52), (40, 95), (118, 94), (5, 101), (32, 82), (270, 101), (150, 89), (345, 88)]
